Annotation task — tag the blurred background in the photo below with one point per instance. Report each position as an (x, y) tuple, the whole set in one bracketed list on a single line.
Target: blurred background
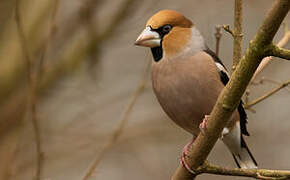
[(69, 74)]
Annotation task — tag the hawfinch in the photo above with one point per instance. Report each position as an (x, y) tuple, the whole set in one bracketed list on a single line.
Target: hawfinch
[(187, 79)]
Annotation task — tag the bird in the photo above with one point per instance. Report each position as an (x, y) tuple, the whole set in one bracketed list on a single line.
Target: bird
[(187, 78)]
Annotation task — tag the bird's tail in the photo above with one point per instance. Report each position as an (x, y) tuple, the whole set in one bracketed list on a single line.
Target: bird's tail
[(239, 149), (244, 158)]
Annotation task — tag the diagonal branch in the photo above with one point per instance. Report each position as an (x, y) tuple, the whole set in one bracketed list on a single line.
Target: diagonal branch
[(285, 39), (230, 96), (268, 94)]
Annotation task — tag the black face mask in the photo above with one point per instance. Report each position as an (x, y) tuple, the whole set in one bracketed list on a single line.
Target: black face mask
[(157, 52)]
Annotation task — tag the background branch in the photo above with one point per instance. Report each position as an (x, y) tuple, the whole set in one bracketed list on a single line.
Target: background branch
[(123, 121), (31, 96), (12, 78), (265, 96), (69, 60)]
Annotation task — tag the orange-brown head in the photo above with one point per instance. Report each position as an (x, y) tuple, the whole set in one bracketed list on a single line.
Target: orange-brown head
[(167, 33)]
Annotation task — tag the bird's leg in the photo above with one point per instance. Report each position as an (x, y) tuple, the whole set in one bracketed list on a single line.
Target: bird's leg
[(202, 125), (185, 153)]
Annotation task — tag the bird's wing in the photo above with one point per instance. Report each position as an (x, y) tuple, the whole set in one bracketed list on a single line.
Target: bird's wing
[(224, 76)]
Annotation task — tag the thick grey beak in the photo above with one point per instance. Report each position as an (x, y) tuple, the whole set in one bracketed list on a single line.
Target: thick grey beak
[(148, 38)]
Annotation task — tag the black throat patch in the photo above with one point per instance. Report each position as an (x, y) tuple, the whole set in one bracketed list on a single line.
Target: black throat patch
[(157, 53)]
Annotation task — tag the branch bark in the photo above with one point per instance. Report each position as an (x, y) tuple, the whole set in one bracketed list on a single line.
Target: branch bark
[(238, 36), (280, 52), (232, 93), (254, 173)]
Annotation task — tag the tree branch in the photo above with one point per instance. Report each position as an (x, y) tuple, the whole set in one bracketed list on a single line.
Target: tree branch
[(261, 67), (279, 52), (218, 36), (230, 96), (254, 173), (11, 77), (238, 36), (31, 95), (268, 94), (267, 60)]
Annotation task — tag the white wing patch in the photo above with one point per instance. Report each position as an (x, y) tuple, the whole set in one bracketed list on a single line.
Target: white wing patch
[(221, 68)]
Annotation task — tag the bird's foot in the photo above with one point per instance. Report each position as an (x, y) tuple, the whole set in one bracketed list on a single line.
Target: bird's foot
[(202, 125), (185, 153)]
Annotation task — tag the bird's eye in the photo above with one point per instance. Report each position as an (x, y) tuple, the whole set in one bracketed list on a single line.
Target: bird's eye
[(166, 28)]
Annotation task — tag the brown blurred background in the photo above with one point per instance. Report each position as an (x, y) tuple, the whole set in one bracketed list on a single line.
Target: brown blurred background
[(86, 71)]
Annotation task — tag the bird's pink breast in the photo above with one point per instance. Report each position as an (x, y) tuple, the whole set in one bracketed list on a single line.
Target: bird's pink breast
[(185, 93)]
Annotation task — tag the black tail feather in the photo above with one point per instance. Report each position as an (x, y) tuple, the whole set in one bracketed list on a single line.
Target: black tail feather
[(236, 161)]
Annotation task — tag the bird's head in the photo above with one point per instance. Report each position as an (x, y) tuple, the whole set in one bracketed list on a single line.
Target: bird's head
[(168, 33)]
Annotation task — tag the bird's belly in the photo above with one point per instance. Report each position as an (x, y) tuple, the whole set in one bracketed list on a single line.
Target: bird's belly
[(184, 100)]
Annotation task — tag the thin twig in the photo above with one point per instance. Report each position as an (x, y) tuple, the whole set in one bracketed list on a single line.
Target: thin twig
[(246, 101), (123, 121), (266, 79), (31, 102), (264, 174), (268, 94), (47, 42), (265, 62), (218, 36), (227, 28)]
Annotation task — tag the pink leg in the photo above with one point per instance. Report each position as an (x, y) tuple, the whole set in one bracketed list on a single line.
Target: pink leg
[(184, 154), (202, 125)]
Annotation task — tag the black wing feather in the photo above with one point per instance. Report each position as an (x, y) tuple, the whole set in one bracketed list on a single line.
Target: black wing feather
[(225, 79), (214, 56)]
